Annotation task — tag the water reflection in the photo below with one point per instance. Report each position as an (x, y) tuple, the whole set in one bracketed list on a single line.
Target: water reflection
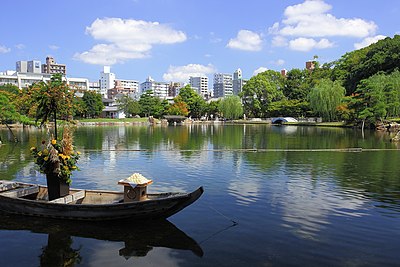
[(138, 238), (309, 205)]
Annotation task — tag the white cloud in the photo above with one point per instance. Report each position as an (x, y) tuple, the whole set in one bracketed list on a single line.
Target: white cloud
[(54, 47), (20, 46), (125, 39), (182, 73), (306, 22), (4, 49), (310, 19), (368, 41), (279, 41), (246, 40), (259, 70), (307, 44)]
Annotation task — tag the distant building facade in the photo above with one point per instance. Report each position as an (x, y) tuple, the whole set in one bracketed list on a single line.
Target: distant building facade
[(238, 82), (107, 81), (24, 80), (222, 85), (310, 65), (200, 84), (125, 87), (159, 89), (174, 89), (52, 67), (33, 66)]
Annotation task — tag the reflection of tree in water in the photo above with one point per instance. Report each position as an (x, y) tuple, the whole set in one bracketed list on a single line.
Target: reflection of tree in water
[(59, 252)]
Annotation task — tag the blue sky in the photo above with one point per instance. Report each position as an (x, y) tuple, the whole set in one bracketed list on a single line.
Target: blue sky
[(171, 40)]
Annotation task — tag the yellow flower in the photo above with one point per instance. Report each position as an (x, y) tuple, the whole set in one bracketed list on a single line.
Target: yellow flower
[(33, 148), (78, 152), (45, 151), (39, 153), (53, 141), (46, 158), (67, 157), (66, 168)]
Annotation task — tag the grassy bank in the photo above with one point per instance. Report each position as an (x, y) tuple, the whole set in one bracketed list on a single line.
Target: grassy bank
[(107, 120)]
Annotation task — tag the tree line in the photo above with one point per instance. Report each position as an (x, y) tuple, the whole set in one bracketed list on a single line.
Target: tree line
[(363, 86)]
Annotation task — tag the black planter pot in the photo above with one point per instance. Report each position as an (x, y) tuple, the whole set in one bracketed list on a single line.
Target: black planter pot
[(56, 188)]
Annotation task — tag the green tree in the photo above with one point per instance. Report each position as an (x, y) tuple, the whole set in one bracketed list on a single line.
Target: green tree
[(231, 107), (8, 112), (53, 98), (260, 91), (325, 97), (361, 64), (128, 105), (297, 84), (212, 108), (9, 88), (377, 97), (150, 105), (93, 103), (195, 102), (289, 108)]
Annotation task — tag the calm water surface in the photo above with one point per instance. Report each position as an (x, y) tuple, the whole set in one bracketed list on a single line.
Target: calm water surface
[(297, 200)]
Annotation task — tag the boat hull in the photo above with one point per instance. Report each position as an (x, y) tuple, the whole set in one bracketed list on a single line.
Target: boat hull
[(162, 207)]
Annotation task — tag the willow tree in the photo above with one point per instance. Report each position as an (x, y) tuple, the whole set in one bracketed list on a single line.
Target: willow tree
[(53, 99), (325, 97), (231, 107)]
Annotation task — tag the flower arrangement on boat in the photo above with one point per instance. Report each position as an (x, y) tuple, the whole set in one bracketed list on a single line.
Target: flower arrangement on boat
[(57, 157)]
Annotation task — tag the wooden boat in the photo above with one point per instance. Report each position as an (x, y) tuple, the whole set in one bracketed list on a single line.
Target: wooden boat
[(91, 205)]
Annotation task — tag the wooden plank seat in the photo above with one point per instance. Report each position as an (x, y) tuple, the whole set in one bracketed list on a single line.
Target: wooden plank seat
[(70, 198), (21, 191)]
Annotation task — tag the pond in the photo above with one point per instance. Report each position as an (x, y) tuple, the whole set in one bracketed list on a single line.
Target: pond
[(274, 196)]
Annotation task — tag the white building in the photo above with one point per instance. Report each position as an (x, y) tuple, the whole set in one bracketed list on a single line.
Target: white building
[(200, 84), (94, 86), (107, 81), (160, 89), (222, 85), (24, 80), (126, 87), (238, 82), (33, 66)]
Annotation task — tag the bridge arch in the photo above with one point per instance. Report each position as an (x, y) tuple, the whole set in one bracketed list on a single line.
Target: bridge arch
[(281, 120)]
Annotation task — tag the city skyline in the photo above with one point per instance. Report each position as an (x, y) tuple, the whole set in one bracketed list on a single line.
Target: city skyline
[(172, 40)]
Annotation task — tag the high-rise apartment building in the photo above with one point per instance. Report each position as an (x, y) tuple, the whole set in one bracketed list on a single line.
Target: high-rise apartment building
[(125, 87), (237, 82), (200, 84), (222, 85), (159, 89), (52, 67), (107, 81), (174, 88)]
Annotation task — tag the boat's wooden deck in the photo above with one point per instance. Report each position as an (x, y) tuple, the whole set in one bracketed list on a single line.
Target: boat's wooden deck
[(76, 196)]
